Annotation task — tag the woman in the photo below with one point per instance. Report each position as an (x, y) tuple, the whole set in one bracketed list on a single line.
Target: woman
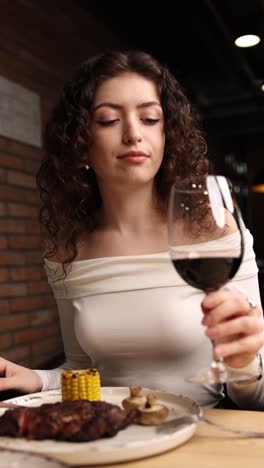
[(120, 134)]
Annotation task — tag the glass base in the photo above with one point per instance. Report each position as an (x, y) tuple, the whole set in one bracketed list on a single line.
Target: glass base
[(219, 374)]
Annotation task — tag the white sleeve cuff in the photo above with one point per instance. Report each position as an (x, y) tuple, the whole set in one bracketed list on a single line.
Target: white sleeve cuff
[(51, 379)]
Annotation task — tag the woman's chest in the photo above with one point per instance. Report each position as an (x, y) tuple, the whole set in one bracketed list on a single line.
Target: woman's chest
[(112, 244), (159, 320)]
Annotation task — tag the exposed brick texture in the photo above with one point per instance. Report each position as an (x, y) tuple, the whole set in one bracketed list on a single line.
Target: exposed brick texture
[(41, 44)]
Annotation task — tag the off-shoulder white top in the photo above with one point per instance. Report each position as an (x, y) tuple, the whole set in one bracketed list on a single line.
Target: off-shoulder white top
[(136, 320)]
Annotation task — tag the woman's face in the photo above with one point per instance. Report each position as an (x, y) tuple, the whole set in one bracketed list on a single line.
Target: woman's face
[(127, 131)]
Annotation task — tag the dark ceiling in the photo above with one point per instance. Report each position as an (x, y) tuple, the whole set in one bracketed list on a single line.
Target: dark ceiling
[(196, 40)]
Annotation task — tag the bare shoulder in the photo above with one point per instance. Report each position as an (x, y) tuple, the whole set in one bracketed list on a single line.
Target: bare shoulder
[(58, 256), (88, 246), (98, 244), (231, 224)]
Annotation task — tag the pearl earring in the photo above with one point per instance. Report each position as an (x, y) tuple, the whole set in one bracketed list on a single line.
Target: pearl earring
[(87, 167)]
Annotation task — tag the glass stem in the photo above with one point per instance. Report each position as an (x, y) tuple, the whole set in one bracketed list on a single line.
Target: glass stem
[(216, 358), (218, 366)]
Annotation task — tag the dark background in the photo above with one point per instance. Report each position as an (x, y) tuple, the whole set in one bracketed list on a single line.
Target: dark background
[(197, 42)]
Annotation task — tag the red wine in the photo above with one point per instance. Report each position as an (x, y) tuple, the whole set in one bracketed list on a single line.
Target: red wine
[(207, 274)]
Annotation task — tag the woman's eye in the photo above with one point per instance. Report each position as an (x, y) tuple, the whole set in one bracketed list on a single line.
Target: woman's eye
[(150, 121), (107, 123)]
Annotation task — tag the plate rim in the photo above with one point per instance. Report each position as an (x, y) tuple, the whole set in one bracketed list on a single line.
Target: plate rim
[(43, 456)]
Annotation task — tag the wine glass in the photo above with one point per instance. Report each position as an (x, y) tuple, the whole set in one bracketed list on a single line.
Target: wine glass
[(206, 246)]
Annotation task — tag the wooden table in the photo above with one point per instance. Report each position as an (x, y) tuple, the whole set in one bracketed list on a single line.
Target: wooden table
[(212, 448)]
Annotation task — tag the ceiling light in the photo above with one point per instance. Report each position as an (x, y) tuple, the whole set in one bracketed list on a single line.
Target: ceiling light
[(248, 40), (262, 87)]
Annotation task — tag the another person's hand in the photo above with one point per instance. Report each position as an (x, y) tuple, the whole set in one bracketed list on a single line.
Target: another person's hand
[(15, 377), (235, 325)]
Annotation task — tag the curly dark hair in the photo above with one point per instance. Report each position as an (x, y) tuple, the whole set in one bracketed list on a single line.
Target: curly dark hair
[(69, 193)]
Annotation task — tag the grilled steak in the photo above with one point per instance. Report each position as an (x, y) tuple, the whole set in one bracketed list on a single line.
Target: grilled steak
[(76, 421)]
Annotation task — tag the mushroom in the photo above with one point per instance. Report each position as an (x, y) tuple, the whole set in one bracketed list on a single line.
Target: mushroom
[(152, 413), (135, 399)]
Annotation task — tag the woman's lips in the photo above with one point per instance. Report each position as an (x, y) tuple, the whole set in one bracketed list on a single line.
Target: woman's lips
[(134, 156)]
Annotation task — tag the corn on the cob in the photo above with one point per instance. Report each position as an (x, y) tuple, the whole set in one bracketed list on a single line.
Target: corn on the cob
[(82, 384)]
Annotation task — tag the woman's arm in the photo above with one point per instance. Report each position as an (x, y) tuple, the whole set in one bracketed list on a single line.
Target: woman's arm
[(239, 328)]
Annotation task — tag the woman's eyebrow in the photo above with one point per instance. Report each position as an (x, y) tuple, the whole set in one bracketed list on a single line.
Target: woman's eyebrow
[(112, 105)]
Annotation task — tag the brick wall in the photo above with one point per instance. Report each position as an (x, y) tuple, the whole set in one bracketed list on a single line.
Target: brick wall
[(41, 44)]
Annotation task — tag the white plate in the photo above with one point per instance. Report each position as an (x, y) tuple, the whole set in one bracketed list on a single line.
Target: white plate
[(14, 459), (131, 443)]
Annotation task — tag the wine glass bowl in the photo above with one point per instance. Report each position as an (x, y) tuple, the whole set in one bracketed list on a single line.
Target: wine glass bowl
[(206, 245)]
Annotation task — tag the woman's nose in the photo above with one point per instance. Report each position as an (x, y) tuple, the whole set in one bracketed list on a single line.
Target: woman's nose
[(132, 134)]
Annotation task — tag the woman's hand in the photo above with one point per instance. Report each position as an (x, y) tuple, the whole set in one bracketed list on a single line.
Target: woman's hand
[(15, 377), (236, 327)]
